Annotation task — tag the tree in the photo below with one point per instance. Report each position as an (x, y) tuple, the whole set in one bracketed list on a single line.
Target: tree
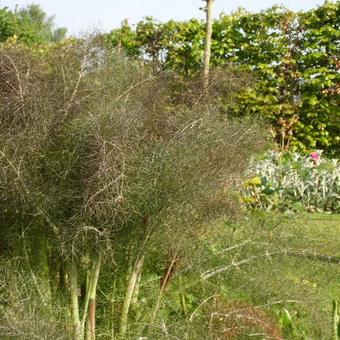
[(8, 24), (30, 25)]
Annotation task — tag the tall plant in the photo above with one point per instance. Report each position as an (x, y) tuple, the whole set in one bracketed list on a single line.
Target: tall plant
[(100, 156)]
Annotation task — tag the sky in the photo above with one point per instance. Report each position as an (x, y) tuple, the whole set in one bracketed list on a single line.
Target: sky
[(85, 15)]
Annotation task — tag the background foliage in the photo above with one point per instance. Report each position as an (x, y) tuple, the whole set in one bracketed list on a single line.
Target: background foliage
[(29, 25), (294, 58)]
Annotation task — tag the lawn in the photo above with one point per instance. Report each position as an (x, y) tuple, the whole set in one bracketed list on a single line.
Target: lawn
[(286, 265)]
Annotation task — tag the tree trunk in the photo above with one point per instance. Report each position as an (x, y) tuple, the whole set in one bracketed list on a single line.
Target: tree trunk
[(129, 295), (207, 44)]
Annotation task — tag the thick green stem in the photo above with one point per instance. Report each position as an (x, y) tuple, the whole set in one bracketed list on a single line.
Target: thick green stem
[(85, 305), (74, 303), (92, 288), (134, 301), (129, 294)]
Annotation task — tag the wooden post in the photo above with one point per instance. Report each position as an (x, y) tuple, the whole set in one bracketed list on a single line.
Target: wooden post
[(207, 44)]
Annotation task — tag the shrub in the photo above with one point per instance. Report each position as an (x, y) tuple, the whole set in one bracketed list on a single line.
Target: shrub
[(100, 156), (293, 181)]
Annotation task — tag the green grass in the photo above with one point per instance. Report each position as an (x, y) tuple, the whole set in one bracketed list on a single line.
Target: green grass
[(303, 281), (300, 283)]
